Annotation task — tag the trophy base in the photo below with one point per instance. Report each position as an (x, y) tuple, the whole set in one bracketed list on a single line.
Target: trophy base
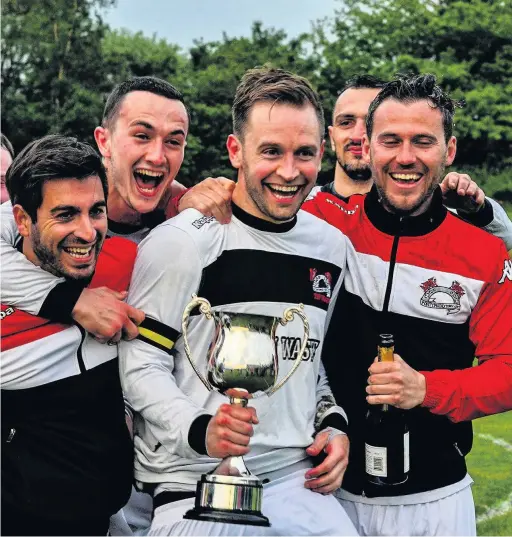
[(226, 516), (231, 499)]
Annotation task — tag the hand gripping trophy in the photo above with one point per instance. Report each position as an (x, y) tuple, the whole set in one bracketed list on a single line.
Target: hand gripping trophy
[(241, 357)]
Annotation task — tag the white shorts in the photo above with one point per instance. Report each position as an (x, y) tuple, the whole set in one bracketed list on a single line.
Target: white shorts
[(291, 508), (452, 515), (135, 517)]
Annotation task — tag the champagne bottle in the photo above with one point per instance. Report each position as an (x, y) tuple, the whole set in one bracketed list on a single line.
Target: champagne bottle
[(387, 434)]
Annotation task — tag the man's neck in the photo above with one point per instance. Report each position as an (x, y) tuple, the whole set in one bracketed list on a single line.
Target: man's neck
[(242, 199), (345, 186), (120, 212)]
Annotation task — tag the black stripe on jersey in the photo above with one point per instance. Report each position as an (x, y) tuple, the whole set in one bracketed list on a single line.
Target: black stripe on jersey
[(157, 334), (261, 276)]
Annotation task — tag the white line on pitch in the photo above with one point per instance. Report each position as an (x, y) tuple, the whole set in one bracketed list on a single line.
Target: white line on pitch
[(498, 441), (506, 505), (501, 509)]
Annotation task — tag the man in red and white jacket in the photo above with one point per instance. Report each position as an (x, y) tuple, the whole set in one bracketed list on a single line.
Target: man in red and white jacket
[(443, 288)]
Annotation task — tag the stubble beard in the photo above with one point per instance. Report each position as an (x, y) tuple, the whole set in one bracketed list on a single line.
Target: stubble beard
[(360, 173), (51, 264), (423, 200)]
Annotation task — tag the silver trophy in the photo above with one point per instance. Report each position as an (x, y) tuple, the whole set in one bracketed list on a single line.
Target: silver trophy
[(241, 357)]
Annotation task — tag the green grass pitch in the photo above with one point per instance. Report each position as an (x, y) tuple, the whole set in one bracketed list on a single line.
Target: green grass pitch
[(490, 466)]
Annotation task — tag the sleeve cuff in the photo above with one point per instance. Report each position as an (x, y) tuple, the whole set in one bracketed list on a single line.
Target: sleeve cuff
[(432, 396), (481, 218), (174, 206), (197, 433), (58, 305), (335, 420)]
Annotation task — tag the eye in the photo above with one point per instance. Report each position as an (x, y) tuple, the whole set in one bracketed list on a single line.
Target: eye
[(141, 136), (390, 143), (306, 154), (65, 216), (345, 123), (98, 211), (271, 151), (174, 143), (424, 142)]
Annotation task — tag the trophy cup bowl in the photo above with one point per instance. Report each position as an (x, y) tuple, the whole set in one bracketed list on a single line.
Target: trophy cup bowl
[(242, 363)]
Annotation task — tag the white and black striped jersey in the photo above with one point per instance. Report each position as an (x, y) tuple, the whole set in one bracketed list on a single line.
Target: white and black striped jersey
[(251, 266)]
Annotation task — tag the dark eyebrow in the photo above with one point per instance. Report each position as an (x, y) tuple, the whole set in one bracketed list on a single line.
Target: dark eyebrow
[(344, 116), (268, 144), (144, 124), (149, 127), (388, 135), (177, 132), (60, 208), (311, 148)]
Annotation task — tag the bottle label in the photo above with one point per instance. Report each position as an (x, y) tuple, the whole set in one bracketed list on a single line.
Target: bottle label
[(406, 452), (376, 461)]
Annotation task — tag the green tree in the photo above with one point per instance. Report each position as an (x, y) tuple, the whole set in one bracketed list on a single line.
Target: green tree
[(52, 70), (466, 43)]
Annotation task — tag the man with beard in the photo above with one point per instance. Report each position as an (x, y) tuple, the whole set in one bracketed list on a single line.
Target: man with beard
[(409, 244), (262, 262), (66, 451), (353, 175)]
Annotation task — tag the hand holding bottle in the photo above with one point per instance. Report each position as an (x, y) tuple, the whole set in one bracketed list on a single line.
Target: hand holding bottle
[(395, 383)]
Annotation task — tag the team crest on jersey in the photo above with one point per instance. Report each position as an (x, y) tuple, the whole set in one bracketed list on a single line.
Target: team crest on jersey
[(441, 297), (322, 285), (200, 222), (507, 272)]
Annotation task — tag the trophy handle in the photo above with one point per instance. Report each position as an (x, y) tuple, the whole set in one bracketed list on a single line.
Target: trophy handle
[(206, 309), (288, 316)]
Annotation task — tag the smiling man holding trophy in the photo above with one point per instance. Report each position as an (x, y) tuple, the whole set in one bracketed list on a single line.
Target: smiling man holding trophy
[(235, 370)]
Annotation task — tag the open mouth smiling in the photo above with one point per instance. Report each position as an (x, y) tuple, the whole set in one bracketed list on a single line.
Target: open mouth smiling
[(147, 181), (79, 252), (284, 191), (406, 178)]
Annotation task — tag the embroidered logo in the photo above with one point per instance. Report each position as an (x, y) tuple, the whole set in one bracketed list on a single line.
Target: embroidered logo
[(341, 208), (322, 285), (200, 222), (507, 272), (435, 296)]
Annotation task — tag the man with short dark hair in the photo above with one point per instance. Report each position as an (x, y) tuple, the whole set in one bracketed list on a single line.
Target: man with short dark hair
[(66, 450), (262, 262), (423, 278)]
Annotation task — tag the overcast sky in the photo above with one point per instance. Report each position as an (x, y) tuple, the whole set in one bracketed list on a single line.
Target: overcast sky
[(182, 21)]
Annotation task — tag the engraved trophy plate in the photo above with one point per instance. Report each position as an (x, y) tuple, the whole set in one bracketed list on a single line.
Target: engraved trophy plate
[(242, 357)]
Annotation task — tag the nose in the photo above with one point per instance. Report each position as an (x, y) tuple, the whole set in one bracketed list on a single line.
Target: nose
[(406, 155), (155, 153), (86, 230), (359, 131), (287, 168)]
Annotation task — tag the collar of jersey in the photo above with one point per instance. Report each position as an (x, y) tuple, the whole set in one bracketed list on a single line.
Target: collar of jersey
[(405, 226), (262, 225)]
